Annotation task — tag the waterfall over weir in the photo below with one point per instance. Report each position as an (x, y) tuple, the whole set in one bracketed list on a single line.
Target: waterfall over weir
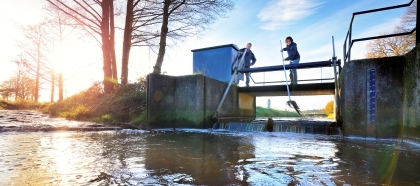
[(297, 126)]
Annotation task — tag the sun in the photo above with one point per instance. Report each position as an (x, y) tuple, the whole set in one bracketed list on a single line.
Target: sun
[(79, 63)]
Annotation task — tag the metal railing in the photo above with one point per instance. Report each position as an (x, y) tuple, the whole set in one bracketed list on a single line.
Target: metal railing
[(305, 65), (347, 52)]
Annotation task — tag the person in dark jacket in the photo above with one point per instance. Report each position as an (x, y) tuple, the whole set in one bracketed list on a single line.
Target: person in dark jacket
[(294, 57), (249, 60)]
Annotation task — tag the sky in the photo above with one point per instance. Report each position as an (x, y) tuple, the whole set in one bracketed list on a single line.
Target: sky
[(311, 23)]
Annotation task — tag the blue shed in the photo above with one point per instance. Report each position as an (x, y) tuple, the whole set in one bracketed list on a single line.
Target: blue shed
[(215, 62)]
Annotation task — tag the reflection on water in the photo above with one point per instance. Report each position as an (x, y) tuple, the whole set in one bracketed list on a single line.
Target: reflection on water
[(204, 158)]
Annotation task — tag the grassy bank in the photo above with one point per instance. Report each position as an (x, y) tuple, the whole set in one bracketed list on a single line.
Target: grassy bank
[(266, 112), (125, 106), (20, 105)]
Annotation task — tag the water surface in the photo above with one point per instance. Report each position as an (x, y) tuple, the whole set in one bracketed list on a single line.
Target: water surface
[(202, 157)]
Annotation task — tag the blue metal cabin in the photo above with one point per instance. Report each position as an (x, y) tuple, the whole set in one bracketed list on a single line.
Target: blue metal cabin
[(215, 62)]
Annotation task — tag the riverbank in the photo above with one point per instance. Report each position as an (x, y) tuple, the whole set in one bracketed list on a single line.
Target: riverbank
[(125, 108), (35, 121)]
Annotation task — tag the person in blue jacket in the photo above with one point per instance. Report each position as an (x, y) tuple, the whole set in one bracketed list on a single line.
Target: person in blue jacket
[(249, 56), (293, 56)]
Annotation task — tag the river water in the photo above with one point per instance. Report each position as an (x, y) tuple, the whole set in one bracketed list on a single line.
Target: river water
[(203, 157)]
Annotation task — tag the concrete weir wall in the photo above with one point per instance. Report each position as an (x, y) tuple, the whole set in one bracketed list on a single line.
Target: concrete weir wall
[(380, 97), (411, 95), (190, 101)]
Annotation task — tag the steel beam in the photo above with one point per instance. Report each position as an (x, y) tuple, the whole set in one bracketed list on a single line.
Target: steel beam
[(287, 67)]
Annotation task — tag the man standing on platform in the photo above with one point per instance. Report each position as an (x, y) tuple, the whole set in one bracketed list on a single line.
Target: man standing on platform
[(248, 57)]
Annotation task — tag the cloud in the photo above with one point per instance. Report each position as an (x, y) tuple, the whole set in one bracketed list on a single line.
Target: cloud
[(283, 12)]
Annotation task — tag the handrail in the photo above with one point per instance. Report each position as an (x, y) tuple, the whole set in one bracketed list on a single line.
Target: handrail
[(288, 67), (264, 82), (346, 52)]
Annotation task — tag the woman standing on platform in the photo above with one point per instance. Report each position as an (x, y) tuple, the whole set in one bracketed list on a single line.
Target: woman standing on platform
[(293, 56)]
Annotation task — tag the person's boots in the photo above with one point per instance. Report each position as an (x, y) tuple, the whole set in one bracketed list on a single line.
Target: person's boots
[(291, 79)]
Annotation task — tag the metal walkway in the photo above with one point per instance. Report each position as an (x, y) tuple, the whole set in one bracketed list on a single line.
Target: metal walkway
[(295, 90)]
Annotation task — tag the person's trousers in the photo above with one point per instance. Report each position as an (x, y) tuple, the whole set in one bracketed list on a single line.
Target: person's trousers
[(247, 79), (293, 72)]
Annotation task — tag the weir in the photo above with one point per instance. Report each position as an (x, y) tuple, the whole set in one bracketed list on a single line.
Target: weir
[(297, 126), (392, 110), (373, 97), (190, 101)]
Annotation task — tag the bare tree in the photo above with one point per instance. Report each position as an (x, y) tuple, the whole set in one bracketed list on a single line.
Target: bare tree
[(391, 46), (20, 86), (399, 45), (60, 30), (97, 18), (7, 89), (175, 19), (128, 32), (36, 47), (21, 72)]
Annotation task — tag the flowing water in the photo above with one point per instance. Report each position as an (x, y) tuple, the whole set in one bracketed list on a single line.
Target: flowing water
[(204, 157), (200, 157)]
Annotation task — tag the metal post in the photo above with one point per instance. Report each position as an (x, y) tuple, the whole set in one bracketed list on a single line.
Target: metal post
[(348, 57), (321, 74), (335, 80), (417, 23), (344, 49), (264, 78)]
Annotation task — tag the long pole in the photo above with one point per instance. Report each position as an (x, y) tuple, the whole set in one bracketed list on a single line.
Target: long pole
[(236, 66), (284, 69)]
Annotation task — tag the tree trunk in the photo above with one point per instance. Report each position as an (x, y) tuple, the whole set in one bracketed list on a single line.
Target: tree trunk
[(163, 34), (112, 43), (17, 86), (60, 86), (60, 74), (38, 69), (52, 85), (108, 85), (128, 30)]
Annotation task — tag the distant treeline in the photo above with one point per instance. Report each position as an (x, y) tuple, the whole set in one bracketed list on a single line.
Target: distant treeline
[(266, 112)]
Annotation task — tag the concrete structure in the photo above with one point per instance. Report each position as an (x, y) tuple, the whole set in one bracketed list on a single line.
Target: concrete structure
[(367, 112), (215, 62), (190, 101), (377, 98), (411, 95), (380, 97)]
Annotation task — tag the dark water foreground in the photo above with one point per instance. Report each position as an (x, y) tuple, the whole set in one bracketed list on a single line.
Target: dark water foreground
[(201, 157), (35, 151)]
